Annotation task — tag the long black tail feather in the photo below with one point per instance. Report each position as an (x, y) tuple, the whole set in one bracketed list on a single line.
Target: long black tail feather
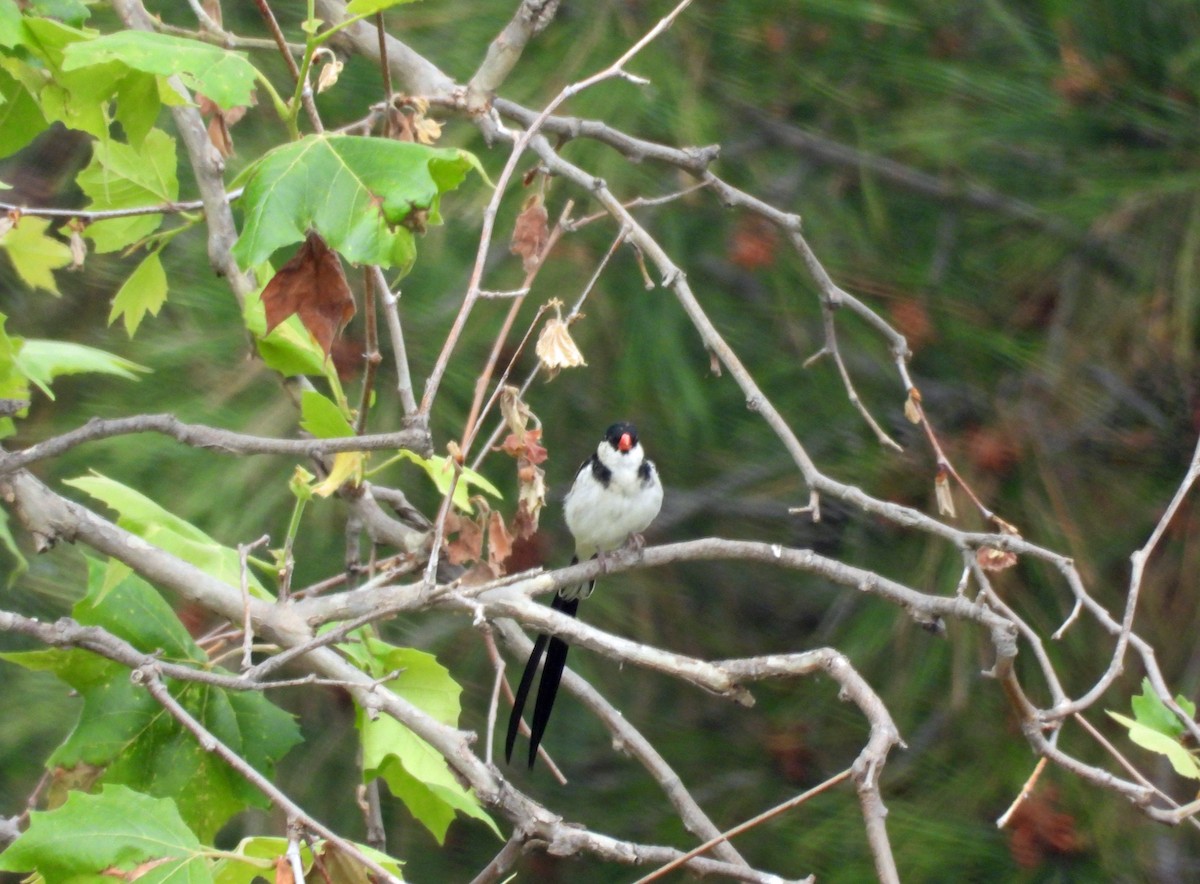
[(514, 718), (556, 659)]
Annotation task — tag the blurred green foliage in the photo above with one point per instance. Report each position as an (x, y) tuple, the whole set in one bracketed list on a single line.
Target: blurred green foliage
[(1062, 380)]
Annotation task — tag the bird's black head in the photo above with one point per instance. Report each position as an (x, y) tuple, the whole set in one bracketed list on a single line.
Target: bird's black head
[(622, 436)]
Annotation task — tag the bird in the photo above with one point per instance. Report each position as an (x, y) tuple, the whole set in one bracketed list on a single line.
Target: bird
[(615, 496)]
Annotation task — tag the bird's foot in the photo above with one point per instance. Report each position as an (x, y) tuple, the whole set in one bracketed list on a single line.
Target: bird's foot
[(635, 543)]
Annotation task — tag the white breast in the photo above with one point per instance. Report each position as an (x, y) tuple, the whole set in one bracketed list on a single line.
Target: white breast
[(601, 518)]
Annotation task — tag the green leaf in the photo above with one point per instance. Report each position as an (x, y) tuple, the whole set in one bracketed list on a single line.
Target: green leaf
[(123, 177), (123, 730), (21, 119), (149, 521), (356, 192), (13, 382), (223, 75), (74, 11), (137, 106), (415, 772), (34, 253), (441, 471), (117, 829), (144, 292), (321, 417), (1181, 759), (10, 23), (1150, 711), (43, 361), (255, 858), (77, 99), (367, 7)]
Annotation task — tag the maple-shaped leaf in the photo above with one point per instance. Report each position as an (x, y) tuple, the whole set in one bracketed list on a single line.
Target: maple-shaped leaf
[(313, 286), (365, 196)]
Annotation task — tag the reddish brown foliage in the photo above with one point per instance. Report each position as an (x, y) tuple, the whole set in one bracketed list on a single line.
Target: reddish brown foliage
[(313, 286)]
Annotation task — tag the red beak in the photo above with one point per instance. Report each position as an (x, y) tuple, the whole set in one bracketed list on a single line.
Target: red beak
[(626, 442)]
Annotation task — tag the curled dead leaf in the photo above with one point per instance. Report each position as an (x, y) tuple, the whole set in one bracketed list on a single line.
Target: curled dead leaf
[(77, 244), (530, 232), (556, 349), (330, 71), (427, 131), (912, 406), (499, 541), (992, 559), (467, 543), (514, 410), (220, 122), (531, 498), (313, 286), (941, 489)]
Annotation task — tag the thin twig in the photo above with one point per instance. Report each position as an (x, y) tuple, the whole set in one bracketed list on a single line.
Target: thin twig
[(243, 551), (749, 824), (616, 69), (384, 69), (371, 355), (391, 313), (90, 215)]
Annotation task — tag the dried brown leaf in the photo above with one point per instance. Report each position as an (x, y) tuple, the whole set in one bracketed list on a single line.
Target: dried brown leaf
[(330, 71), (468, 545), (427, 131), (78, 247), (556, 349), (941, 489), (531, 497), (992, 559), (526, 446), (513, 409), (313, 286), (530, 232), (499, 541), (283, 871), (912, 406), (218, 134)]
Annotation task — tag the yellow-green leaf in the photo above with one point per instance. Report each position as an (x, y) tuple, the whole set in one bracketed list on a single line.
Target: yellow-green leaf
[(34, 253), (144, 292)]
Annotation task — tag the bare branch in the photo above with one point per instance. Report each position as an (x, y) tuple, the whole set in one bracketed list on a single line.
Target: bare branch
[(530, 19), (199, 436)]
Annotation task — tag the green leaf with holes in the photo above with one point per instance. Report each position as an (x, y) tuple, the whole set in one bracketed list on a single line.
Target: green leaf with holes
[(415, 772), (105, 837), (142, 516), (128, 737), (225, 76), (365, 196)]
